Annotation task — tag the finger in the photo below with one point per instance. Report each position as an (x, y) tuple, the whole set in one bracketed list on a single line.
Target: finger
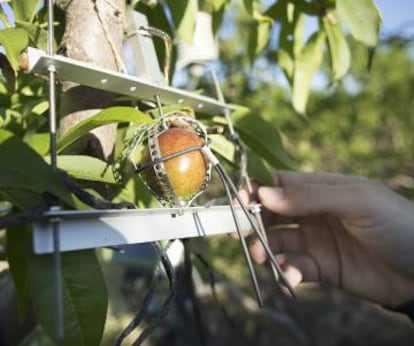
[(312, 199), (244, 196), (280, 241), (287, 178), (302, 268)]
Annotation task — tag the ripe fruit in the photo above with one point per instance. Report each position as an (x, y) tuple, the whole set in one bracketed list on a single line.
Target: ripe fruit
[(186, 173)]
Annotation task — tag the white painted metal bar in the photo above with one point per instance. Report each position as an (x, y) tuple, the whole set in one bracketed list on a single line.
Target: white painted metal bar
[(104, 228), (117, 82)]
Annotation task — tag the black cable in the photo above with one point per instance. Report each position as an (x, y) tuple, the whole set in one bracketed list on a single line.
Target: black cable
[(161, 315), (27, 216), (141, 313), (223, 310), (188, 270), (91, 200)]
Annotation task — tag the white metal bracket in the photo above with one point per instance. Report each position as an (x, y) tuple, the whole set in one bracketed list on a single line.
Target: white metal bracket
[(116, 82), (107, 228)]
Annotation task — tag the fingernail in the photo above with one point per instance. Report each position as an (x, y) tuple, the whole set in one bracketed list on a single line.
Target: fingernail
[(271, 194)]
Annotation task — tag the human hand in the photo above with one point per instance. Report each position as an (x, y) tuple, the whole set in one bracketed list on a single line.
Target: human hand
[(352, 232)]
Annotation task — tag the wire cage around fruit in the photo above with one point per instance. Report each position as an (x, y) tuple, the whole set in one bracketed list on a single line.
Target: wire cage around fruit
[(173, 166), (68, 230)]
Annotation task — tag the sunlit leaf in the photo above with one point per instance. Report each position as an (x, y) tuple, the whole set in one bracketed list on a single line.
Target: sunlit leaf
[(86, 168), (260, 136), (84, 297), (362, 18), (305, 66), (259, 36), (37, 35), (107, 116), (222, 146), (39, 142), (25, 9), (260, 28), (183, 14), (13, 40), (339, 52), (290, 39)]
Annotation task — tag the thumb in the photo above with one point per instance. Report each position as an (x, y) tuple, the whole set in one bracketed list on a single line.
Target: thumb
[(310, 199)]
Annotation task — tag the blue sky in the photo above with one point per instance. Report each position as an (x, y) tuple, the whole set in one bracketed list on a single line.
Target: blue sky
[(395, 13)]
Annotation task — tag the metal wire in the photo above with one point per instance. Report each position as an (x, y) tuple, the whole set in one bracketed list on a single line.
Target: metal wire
[(167, 44), (241, 149), (262, 240), (242, 239)]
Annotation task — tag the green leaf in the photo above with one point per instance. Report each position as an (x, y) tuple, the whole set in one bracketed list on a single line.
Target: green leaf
[(286, 63), (14, 40), (84, 297), (18, 254), (36, 34), (222, 146), (25, 9), (260, 28), (219, 8), (306, 64), (260, 136), (8, 73), (86, 168), (135, 191), (21, 198), (20, 162), (290, 39), (339, 52), (259, 169), (107, 116), (183, 14), (276, 11), (39, 142), (363, 19), (259, 36)]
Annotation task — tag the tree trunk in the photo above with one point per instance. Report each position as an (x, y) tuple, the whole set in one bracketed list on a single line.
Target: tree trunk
[(94, 32)]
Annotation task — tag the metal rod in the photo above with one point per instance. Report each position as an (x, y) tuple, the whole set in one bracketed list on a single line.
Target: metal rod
[(50, 27), (57, 260), (260, 226), (52, 116), (220, 97), (272, 259), (233, 134), (241, 237)]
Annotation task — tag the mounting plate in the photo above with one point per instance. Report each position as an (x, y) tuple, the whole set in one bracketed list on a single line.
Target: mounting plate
[(120, 83), (105, 228)]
